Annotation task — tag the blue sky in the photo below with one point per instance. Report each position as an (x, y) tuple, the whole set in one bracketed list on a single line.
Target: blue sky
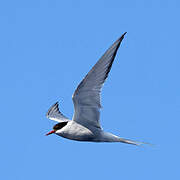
[(47, 47)]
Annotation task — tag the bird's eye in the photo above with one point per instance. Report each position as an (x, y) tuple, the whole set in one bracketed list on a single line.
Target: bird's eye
[(59, 125), (56, 126)]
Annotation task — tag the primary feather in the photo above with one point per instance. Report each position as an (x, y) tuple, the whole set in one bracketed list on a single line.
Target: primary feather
[(86, 97), (55, 114)]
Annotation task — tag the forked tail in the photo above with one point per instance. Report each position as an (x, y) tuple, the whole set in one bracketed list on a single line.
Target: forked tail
[(128, 141), (137, 143), (108, 137)]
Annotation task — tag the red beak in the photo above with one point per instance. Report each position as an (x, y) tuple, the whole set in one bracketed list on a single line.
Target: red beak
[(51, 132)]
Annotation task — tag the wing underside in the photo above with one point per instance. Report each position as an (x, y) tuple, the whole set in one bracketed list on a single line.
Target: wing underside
[(55, 114), (86, 97)]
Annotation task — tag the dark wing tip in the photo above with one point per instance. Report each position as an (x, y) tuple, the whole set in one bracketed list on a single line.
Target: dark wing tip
[(118, 42), (122, 37), (124, 33), (54, 107)]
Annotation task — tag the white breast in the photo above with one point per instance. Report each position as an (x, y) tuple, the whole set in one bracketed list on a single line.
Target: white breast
[(75, 131)]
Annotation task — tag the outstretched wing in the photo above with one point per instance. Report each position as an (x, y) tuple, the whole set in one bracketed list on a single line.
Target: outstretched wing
[(86, 97), (55, 115)]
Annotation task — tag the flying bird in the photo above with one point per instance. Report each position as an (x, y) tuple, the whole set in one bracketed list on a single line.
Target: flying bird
[(85, 124)]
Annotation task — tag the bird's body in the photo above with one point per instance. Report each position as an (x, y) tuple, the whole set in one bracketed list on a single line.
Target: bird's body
[(76, 131), (85, 124)]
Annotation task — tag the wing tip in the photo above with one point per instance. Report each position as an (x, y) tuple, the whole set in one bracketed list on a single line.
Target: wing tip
[(122, 37), (54, 106), (124, 33)]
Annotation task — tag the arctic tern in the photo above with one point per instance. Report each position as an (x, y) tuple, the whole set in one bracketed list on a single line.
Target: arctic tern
[(85, 124)]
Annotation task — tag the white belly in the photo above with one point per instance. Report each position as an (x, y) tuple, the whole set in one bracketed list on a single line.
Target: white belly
[(75, 131)]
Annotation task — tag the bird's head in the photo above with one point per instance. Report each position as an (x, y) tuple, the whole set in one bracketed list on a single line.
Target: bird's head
[(57, 127)]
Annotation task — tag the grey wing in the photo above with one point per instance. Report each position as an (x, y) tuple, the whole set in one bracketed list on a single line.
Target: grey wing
[(86, 97), (55, 115)]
